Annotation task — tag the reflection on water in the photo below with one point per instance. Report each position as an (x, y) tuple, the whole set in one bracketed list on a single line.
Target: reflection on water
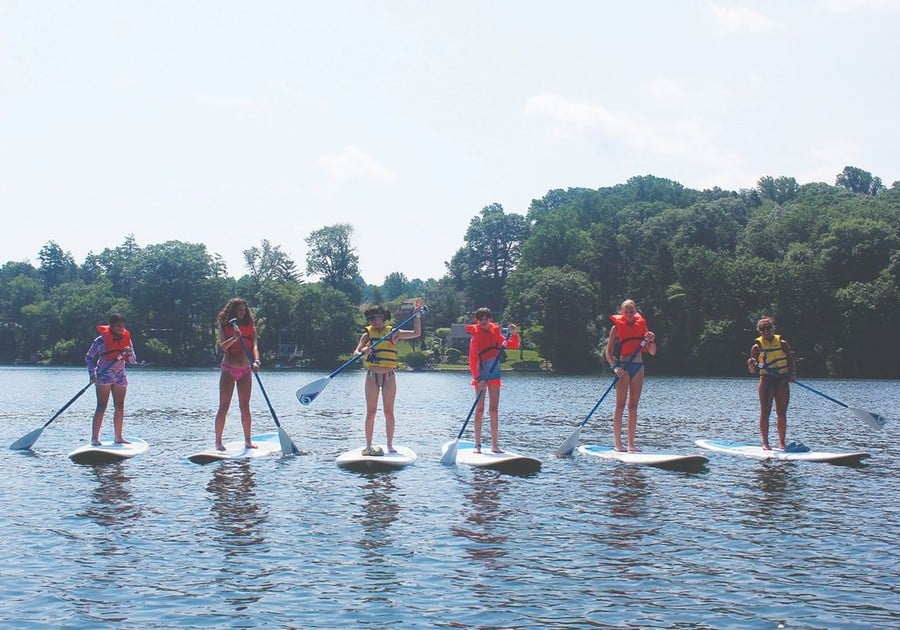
[(113, 504), (237, 514), (484, 515), (379, 511), (629, 492)]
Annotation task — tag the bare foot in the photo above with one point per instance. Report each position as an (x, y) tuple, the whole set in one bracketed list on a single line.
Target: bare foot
[(619, 448), (122, 441), (782, 446), (95, 442), (766, 446), (497, 449), (478, 448), (220, 446), (634, 449), (250, 445), (391, 450)]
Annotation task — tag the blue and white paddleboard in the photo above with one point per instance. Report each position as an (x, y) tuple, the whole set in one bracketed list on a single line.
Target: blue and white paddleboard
[(355, 460), (266, 444), (507, 462), (108, 451), (671, 461), (758, 452)]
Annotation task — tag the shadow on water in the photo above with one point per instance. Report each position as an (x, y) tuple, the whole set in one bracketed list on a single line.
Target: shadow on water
[(113, 503), (379, 511), (235, 508)]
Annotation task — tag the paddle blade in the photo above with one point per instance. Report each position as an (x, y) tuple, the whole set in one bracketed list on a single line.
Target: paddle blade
[(287, 445), (309, 393), (26, 441), (874, 420), (449, 456), (569, 445)]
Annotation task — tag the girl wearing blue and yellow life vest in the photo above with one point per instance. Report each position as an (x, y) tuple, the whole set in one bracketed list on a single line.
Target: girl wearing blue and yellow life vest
[(772, 358), (379, 345), (624, 354)]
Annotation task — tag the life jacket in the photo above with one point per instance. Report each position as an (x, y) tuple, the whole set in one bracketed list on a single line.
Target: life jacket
[(487, 345), (113, 346), (772, 355), (385, 353), (629, 335), (248, 336)]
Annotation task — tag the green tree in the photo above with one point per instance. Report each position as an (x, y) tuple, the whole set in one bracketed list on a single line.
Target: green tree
[(329, 323), (333, 257), (859, 181)]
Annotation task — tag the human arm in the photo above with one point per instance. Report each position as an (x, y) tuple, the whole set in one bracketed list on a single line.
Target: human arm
[(226, 341), (611, 359), (791, 360), (650, 337), (92, 357), (362, 346), (753, 361)]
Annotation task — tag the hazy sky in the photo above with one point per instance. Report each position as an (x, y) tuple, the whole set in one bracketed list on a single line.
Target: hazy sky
[(228, 123)]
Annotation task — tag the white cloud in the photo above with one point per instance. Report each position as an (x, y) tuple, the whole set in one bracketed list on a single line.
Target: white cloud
[(739, 18), (354, 163), (665, 88)]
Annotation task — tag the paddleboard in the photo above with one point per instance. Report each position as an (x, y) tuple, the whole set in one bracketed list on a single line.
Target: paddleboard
[(507, 462), (355, 460), (747, 450), (671, 461), (266, 444), (108, 452)]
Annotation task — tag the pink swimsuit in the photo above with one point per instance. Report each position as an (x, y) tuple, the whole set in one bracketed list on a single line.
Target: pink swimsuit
[(236, 372)]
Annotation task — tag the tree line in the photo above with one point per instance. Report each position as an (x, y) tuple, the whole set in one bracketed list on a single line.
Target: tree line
[(703, 266)]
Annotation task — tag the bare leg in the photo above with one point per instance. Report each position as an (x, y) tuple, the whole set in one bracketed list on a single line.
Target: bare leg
[(494, 413), (635, 386), (621, 395), (372, 389), (388, 395), (479, 416), (245, 388), (226, 389), (782, 396), (765, 409), (118, 394), (102, 401)]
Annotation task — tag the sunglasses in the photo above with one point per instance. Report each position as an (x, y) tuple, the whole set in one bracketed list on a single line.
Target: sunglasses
[(762, 328), (371, 317)]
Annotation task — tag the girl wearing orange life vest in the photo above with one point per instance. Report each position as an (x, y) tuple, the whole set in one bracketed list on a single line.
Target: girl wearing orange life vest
[(236, 365), (484, 346), (107, 357), (623, 353), (772, 358)]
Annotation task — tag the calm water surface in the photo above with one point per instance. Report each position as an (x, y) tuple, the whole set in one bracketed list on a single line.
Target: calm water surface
[(159, 542)]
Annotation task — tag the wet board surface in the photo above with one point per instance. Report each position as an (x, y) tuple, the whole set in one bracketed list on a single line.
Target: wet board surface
[(758, 452), (355, 460), (267, 444), (508, 462), (671, 461), (108, 452)]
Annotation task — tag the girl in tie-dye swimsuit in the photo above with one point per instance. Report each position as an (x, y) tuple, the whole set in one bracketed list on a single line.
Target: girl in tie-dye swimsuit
[(105, 361), (241, 357)]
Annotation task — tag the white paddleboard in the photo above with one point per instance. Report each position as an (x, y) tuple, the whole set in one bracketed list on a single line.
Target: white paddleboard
[(355, 460), (108, 451), (747, 450), (671, 461), (266, 444), (507, 462)]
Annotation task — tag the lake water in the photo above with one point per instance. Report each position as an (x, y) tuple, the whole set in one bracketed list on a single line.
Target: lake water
[(158, 542)]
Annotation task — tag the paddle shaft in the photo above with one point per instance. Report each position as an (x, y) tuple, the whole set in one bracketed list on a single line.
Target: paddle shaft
[(834, 400), (614, 381), (83, 389)]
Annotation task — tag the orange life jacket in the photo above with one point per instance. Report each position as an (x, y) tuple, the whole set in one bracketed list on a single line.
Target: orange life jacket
[(111, 344), (630, 335), (248, 335)]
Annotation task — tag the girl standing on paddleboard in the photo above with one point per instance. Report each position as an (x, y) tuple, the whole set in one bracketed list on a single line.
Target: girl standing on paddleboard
[(772, 358), (486, 343), (107, 357), (236, 342), (379, 345), (624, 352)]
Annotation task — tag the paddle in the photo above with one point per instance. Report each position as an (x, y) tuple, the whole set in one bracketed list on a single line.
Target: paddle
[(287, 445), (449, 456), (874, 420), (571, 442), (27, 441), (310, 392)]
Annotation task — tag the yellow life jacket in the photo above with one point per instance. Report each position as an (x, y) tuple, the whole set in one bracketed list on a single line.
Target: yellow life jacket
[(772, 356), (383, 355)]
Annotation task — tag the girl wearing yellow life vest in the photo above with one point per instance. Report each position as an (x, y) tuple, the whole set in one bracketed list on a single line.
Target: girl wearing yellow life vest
[(623, 353), (771, 357), (380, 362), (107, 357)]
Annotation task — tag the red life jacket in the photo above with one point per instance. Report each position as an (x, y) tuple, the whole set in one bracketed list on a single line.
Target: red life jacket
[(248, 335), (630, 335), (111, 344)]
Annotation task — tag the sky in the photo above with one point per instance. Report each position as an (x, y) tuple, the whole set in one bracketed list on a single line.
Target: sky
[(230, 123)]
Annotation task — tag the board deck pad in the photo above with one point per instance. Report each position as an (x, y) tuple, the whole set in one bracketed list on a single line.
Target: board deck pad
[(266, 444), (355, 460), (108, 452), (758, 452), (507, 462), (671, 461)]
